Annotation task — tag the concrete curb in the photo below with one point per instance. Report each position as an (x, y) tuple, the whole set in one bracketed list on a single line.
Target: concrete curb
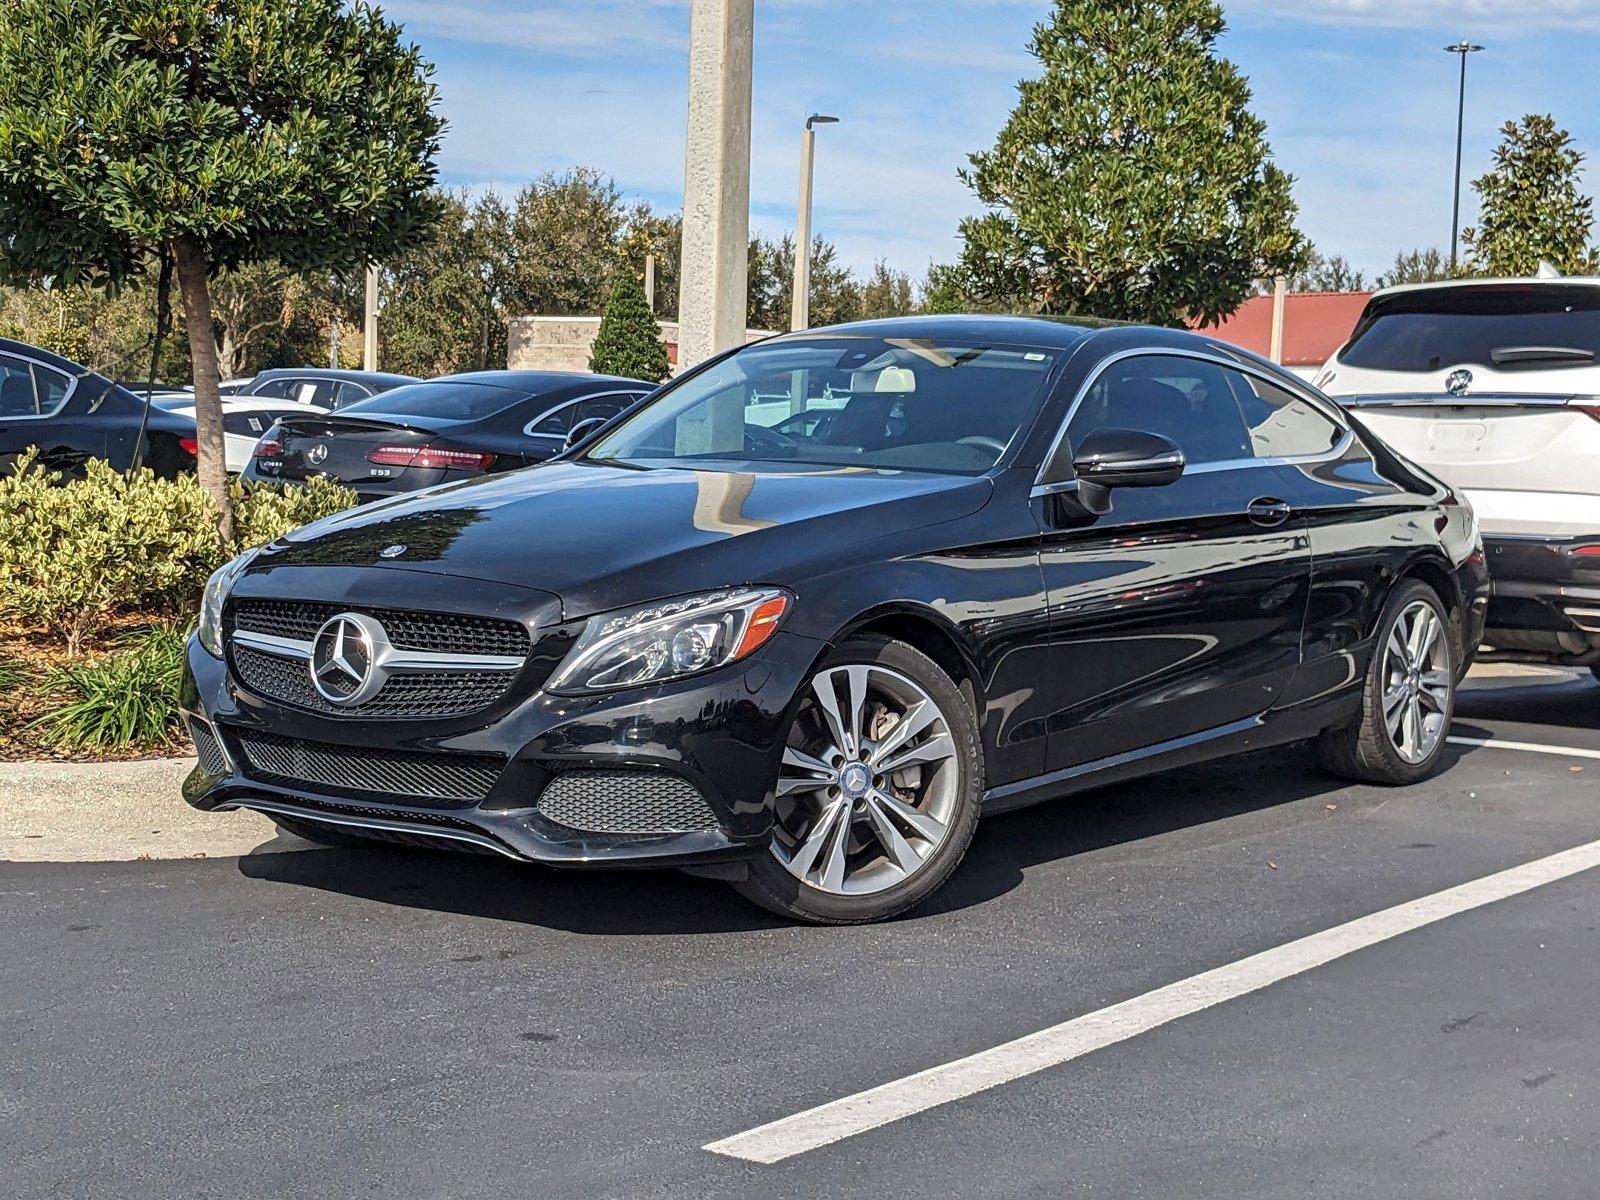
[(119, 812)]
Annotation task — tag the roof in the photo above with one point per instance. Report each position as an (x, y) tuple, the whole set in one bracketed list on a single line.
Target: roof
[(536, 380), (1524, 281), (336, 373), (1032, 331), (1315, 324)]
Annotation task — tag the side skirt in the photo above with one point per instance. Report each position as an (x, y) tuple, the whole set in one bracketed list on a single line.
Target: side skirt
[(1274, 728)]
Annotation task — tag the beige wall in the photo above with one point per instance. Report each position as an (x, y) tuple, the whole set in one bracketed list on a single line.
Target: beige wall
[(565, 343)]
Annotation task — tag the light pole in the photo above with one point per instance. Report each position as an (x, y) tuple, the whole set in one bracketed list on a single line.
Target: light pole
[(369, 315), (800, 309), (1463, 48)]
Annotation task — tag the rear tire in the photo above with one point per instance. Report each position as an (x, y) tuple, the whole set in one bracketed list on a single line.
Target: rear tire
[(1399, 735), (878, 795), (322, 835)]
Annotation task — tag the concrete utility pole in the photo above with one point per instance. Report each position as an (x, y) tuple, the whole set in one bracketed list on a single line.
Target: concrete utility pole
[(369, 353), (800, 308), (650, 281), (714, 262), (1280, 296)]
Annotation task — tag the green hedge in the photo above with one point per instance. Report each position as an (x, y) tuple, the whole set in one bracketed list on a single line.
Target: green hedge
[(76, 553)]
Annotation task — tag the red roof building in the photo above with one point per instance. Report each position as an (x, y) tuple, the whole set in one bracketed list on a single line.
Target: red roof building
[(1315, 324)]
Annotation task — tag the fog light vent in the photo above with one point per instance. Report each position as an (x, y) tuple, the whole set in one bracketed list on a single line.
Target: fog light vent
[(212, 760), (626, 802)]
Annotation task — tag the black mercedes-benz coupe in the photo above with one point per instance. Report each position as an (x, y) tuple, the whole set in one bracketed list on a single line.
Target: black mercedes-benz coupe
[(806, 614), (441, 430), (70, 414)]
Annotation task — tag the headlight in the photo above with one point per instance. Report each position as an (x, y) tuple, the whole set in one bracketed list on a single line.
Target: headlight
[(217, 589), (671, 639)]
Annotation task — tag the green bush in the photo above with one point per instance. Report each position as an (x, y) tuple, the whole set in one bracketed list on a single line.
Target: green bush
[(74, 553), (127, 699)]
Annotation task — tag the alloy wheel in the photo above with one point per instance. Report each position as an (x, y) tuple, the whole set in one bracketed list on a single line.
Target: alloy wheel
[(1417, 682), (869, 784)]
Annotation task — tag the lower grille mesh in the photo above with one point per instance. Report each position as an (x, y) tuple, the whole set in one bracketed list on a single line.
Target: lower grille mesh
[(625, 802), (457, 778), (212, 760)]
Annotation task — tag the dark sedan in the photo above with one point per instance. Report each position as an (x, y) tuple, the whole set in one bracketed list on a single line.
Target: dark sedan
[(447, 429), (1011, 559), (71, 414), (326, 388)]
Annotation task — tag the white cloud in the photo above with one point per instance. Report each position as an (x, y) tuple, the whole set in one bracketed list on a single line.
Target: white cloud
[(1503, 18)]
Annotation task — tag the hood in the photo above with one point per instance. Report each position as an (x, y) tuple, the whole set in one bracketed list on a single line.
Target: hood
[(604, 537)]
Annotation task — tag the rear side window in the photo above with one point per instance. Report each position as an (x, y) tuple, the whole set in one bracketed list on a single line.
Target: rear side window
[(555, 424), (30, 390), (1280, 424), (603, 406), (1185, 399), (1520, 326)]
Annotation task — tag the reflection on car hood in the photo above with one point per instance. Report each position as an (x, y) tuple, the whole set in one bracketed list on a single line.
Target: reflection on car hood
[(604, 537)]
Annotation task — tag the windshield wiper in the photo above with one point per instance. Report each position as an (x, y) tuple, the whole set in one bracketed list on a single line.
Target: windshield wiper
[(1508, 356)]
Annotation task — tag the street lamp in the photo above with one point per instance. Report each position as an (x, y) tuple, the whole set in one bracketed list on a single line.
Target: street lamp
[(1463, 48), (800, 309)]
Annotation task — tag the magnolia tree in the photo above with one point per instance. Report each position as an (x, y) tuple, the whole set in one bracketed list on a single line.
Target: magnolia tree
[(1132, 180), (204, 135), (1533, 209)]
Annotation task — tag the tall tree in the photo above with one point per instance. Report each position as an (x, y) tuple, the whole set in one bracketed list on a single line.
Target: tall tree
[(835, 294), (565, 231), (1416, 266), (1332, 274), (1131, 180), (1532, 210), (629, 342), (210, 134), (886, 292)]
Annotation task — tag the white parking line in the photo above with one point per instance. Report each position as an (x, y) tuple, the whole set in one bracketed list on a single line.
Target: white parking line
[(1529, 747), (1083, 1035)]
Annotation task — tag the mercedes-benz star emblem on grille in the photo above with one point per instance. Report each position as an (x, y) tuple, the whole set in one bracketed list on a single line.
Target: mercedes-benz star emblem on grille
[(318, 454), (346, 659), (1458, 383), (394, 551)]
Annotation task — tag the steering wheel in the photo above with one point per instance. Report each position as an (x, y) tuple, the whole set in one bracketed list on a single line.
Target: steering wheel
[(983, 443), (762, 435)]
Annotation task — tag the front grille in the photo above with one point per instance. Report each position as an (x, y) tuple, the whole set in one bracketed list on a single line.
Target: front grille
[(624, 802), (455, 778), (408, 629), (408, 694), (419, 694), (212, 761)]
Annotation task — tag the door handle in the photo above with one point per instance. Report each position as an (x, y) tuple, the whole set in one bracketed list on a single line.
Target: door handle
[(1269, 512)]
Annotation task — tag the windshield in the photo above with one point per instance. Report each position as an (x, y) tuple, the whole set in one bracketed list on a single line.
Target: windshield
[(445, 400), (1526, 326), (897, 403)]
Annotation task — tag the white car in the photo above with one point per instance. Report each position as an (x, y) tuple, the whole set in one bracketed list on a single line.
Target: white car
[(1494, 386), (244, 420)]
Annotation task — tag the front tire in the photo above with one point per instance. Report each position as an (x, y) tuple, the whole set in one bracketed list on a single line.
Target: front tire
[(878, 795), (1409, 699)]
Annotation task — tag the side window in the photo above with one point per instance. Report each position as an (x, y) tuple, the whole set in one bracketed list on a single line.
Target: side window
[(602, 406), (1281, 424), (278, 389), (1185, 399), (348, 393), (555, 424), (29, 390)]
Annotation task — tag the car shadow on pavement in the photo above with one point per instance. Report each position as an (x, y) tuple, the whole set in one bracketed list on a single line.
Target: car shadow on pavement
[(614, 902), (1560, 702)]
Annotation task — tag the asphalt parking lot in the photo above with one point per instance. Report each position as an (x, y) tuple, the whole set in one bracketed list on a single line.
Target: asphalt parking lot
[(336, 1023)]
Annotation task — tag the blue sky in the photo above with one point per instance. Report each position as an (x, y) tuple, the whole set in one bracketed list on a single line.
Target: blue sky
[(1358, 97)]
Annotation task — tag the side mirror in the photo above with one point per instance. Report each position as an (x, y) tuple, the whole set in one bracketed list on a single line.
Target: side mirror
[(583, 430), (1114, 458)]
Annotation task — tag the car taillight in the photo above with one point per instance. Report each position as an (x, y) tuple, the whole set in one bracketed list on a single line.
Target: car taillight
[(191, 447), (1585, 552), (1589, 410), (268, 447), (428, 458)]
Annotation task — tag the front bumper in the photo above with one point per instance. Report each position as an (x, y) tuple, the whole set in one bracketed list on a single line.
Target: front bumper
[(1546, 599), (721, 734)]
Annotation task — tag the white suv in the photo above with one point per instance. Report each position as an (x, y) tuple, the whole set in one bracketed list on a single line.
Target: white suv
[(1494, 385)]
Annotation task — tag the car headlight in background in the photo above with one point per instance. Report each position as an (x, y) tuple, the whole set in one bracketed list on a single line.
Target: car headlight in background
[(671, 639), (217, 589)]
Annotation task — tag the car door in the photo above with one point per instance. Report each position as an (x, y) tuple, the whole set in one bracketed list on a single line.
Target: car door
[(1180, 611)]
